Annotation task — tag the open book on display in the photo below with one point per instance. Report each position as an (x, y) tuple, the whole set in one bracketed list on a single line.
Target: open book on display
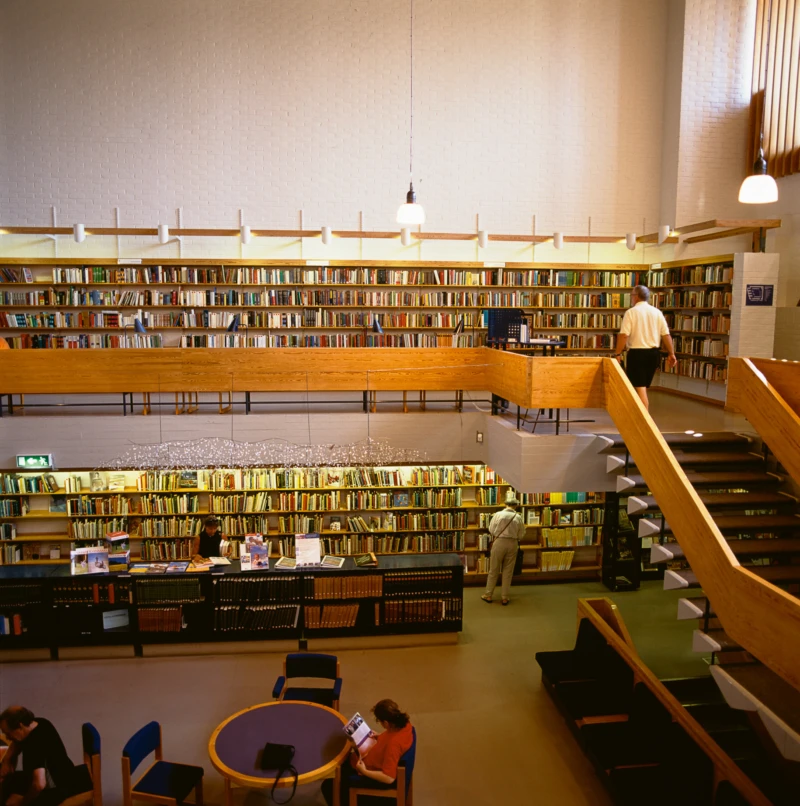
[(360, 733)]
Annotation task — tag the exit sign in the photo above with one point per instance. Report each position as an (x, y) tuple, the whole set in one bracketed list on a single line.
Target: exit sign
[(35, 461)]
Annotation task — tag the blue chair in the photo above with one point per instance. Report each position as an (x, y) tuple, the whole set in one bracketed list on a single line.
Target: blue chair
[(310, 665), (402, 792), (87, 787), (164, 781)]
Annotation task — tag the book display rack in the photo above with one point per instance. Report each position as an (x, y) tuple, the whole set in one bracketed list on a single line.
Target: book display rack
[(72, 304), (402, 510), (45, 608)]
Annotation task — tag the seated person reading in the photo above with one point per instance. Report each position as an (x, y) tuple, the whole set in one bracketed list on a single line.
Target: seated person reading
[(208, 542), (47, 773), (374, 764)]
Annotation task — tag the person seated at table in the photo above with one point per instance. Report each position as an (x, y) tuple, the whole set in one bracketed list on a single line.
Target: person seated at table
[(375, 767), (47, 773), (208, 542)]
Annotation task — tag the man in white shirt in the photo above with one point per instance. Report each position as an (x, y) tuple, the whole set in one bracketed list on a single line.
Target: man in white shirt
[(507, 530), (644, 330)]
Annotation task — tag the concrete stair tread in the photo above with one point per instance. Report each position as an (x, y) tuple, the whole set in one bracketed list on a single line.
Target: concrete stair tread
[(693, 607), (677, 580), (675, 438), (731, 524), (714, 641), (754, 687), (694, 690), (720, 478), (764, 547), (757, 500)]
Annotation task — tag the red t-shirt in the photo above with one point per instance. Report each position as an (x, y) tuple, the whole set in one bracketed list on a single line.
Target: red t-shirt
[(389, 747)]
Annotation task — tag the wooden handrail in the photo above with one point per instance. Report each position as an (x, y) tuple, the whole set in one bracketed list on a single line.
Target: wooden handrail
[(782, 376), (762, 618), (605, 616), (751, 392)]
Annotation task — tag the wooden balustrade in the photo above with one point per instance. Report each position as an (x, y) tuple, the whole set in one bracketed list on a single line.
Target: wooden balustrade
[(783, 377)]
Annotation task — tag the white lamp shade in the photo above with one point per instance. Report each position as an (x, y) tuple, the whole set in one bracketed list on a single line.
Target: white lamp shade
[(410, 215), (663, 232), (327, 235), (78, 233), (758, 189), (630, 240), (483, 238), (405, 236), (163, 233), (245, 231), (558, 240)]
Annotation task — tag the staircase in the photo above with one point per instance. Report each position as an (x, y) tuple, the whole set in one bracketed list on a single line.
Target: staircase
[(751, 712)]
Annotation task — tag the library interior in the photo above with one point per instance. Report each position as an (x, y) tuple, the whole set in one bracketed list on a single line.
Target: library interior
[(441, 361)]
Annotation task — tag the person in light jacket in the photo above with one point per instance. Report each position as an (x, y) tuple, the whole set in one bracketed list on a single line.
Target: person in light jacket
[(507, 529)]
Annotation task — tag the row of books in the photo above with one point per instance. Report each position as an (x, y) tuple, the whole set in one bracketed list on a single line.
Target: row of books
[(692, 299), (417, 499), (258, 589), (233, 618), (696, 368), (581, 341), (569, 536), (392, 522), (555, 560), (695, 323), (405, 611), (299, 524), (96, 529), (98, 505), (692, 275), (160, 619), (399, 583), (322, 617), (350, 544), (548, 516), (344, 587), (324, 275), (12, 274), (250, 502), (600, 321), (174, 527), (92, 593), (14, 483), (168, 504), (159, 550), (533, 499), (84, 341), (698, 345), (11, 507), (236, 340), (173, 589)]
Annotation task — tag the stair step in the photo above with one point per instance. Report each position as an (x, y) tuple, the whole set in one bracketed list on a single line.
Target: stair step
[(713, 641), (776, 573), (676, 580), (712, 501), (721, 478), (718, 717), (693, 607), (694, 690), (681, 438), (731, 524), (761, 547)]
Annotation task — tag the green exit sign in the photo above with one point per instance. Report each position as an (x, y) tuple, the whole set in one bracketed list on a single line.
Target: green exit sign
[(34, 461)]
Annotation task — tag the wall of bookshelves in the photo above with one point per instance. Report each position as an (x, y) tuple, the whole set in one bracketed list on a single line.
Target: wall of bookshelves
[(191, 304), (697, 300), (387, 510)]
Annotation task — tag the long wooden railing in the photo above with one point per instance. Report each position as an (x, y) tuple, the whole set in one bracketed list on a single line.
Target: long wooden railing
[(759, 390), (761, 617)]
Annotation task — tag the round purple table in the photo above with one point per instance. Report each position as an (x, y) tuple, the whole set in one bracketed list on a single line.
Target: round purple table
[(314, 730)]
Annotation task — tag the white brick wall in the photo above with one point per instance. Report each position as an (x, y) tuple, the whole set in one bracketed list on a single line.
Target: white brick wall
[(522, 107)]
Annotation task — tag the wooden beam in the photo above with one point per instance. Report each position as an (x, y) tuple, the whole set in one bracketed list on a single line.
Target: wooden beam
[(757, 223), (703, 225), (653, 238), (726, 233), (36, 230)]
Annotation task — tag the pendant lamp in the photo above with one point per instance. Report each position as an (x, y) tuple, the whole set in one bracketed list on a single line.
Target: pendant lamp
[(411, 213), (760, 187)]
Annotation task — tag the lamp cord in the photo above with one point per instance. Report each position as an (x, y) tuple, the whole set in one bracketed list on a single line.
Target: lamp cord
[(766, 72), (411, 96)]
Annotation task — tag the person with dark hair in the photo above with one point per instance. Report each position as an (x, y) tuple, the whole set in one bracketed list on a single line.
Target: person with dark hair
[(507, 530), (47, 773), (208, 542), (376, 767), (643, 331)]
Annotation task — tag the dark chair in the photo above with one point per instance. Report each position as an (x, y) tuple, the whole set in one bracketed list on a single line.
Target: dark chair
[(584, 662), (310, 665), (728, 795), (402, 793), (87, 786), (164, 781)]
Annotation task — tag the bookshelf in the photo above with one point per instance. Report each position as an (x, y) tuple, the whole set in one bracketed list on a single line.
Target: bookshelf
[(697, 300), (47, 609), (95, 305), (400, 510)]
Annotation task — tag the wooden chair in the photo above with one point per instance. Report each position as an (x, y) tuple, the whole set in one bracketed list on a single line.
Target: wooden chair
[(163, 782), (310, 664), (402, 793), (88, 786)]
